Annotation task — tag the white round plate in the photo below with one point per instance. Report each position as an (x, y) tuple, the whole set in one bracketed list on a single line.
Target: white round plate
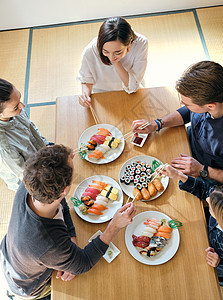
[(113, 206), (128, 189), (109, 155), (136, 227)]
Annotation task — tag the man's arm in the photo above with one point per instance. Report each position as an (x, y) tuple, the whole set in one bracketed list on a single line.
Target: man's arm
[(171, 120)]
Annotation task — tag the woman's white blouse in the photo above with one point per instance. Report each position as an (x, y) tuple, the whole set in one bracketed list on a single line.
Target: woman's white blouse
[(105, 78)]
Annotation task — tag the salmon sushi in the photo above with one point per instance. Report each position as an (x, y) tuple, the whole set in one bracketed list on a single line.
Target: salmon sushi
[(163, 234), (99, 206), (94, 211)]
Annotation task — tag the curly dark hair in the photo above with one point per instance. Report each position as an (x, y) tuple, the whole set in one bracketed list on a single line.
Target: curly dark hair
[(6, 89), (216, 201), (114, 29), (47, 173), (202, 83)]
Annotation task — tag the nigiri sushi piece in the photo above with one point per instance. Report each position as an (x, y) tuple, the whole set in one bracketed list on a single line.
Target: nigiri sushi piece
[(163, 234), (93, 196), (96, 186), (99, 206), (101, 202), (154, 221), (92, 190), (165, 228), (94, 211), (98, 138), (103, 148), (103, 131), (147, 233), (101, 183), (150, 229), (96, 154)]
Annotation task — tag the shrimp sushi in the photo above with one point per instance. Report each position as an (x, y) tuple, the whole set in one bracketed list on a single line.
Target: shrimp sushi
[(103, 131), (101, 183)]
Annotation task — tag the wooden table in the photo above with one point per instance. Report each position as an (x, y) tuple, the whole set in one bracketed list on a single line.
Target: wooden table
[(186, 275)]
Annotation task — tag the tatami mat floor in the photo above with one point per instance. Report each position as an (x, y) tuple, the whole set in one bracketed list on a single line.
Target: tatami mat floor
[(43, 62)]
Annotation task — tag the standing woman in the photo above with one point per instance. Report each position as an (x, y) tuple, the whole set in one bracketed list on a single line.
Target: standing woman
[(115, 60)]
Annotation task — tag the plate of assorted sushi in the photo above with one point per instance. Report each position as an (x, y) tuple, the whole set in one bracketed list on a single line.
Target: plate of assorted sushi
[(97, 198), (104, 143), (137, 178), (150, 239)]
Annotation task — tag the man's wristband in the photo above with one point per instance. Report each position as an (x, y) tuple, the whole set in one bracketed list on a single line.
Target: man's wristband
[(158, 124), (161, 123)]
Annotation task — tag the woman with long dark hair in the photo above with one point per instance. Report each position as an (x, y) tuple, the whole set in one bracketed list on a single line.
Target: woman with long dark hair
[(115, 60)]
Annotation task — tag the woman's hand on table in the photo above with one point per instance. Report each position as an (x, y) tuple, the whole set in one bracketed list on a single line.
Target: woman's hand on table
[(212, 257), (149, 129), (65, 276), (121, 218), (85, 100)]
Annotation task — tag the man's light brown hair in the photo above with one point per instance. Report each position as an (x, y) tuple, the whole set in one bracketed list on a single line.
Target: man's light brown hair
[(202, 83)]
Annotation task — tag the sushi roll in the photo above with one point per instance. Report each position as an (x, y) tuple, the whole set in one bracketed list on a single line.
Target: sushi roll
[(131, 178), (136, 181), (133, 169), (142, 179), (127, 181), (137, 176), (138, 167), (133, 164), (139, 186), (122, 179), (148, 171), (138, 172), (143, 174), (148, 166), (128, 167), (143, 169), (132, 173), (143, 164)]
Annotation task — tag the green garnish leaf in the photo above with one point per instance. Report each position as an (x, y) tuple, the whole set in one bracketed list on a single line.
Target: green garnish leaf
[(155, 165)]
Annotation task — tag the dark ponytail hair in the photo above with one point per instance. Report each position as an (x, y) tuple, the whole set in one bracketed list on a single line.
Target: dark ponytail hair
[(114, 29), (6, 89)]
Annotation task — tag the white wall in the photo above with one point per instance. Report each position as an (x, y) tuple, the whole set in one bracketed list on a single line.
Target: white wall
[(28, 13)]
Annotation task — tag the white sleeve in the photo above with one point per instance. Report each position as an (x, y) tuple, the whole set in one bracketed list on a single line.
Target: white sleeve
[(11, 170), (138, 69), (85, 74)]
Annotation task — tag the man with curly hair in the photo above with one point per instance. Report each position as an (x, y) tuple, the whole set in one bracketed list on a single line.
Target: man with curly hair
[(41, 234)]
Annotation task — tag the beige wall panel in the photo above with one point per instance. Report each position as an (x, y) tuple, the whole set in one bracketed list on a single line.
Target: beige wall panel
[(211, 20), (13, 57), (56, 59), (174, 44), (44, 118)]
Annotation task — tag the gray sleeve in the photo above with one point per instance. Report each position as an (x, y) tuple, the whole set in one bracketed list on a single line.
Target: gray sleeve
[(66, 256), (40, 135), (67, 218), (11, 170)]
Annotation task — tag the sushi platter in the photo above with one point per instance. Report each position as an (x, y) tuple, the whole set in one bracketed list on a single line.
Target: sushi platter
[(105, 143), (136, 177), (109, 195), (137, 228)]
